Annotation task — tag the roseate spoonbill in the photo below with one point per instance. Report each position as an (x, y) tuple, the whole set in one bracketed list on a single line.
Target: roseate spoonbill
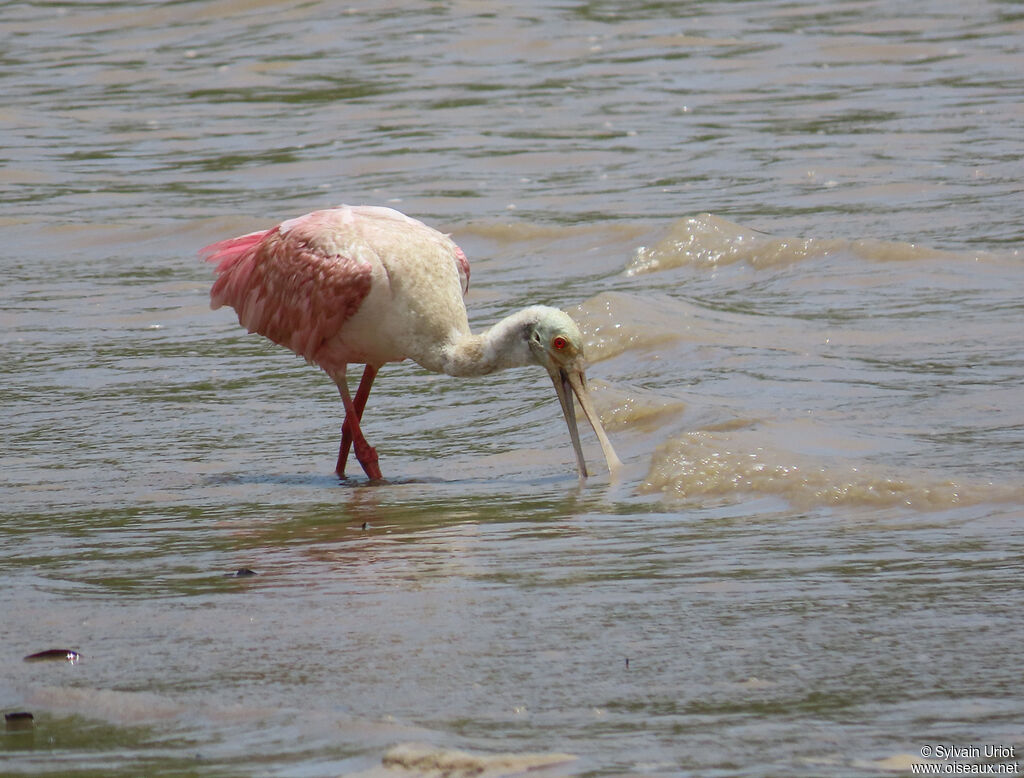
[(371, 285)]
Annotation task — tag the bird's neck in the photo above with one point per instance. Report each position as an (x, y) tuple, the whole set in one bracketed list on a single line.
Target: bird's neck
[(504, 345)]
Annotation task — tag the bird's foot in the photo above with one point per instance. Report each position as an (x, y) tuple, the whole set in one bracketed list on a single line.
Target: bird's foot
[(340, 467), (367, 456)]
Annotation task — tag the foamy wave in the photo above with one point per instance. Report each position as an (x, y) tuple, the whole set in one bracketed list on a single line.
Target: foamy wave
[(633, 409), (708, 240), (419, 759), (720, 464), (614, 322)]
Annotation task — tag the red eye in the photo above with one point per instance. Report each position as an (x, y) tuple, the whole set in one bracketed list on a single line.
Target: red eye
[(559, 343)]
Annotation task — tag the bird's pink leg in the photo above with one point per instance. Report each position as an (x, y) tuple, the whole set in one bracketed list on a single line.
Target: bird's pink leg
[(362, 393), (350, 430)]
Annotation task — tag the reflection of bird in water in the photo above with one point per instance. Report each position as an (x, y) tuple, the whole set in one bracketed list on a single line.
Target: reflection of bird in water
[(370, 285)]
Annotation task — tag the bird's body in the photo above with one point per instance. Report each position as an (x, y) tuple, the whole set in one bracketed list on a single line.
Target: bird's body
[(369, 285)]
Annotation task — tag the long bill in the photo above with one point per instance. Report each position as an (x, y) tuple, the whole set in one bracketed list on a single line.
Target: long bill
[(570, 382)]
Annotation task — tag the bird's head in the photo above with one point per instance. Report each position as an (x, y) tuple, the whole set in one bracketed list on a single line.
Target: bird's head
[(554, 339), (556, 343)]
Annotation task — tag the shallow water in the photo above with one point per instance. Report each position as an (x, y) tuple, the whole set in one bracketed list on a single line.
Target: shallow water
[(791, 235)]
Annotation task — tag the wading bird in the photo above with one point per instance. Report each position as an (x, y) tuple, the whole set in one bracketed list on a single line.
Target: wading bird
[(369, 285)]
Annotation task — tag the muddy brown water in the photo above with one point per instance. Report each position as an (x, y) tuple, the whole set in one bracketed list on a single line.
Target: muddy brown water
[(791, 234)]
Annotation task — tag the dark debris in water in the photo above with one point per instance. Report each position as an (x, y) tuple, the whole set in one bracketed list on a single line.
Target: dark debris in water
[(19, 720), (54, 655)]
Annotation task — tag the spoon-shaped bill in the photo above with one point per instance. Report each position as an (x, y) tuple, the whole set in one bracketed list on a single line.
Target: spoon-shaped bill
[(569, 382)]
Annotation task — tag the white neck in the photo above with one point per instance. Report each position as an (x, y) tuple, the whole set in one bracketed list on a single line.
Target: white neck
[(504, 345)]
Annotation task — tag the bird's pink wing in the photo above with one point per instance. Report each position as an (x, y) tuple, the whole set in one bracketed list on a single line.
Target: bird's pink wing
[(287, 288), (463, 265)]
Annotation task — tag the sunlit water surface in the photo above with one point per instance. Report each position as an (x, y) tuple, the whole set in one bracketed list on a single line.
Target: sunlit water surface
[(791, 234)]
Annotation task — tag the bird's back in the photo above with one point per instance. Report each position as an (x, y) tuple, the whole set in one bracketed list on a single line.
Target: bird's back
[(348, 284)]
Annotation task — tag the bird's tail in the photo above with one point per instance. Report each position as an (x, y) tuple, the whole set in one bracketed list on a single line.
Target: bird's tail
[(227, 252), (235, 260)]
